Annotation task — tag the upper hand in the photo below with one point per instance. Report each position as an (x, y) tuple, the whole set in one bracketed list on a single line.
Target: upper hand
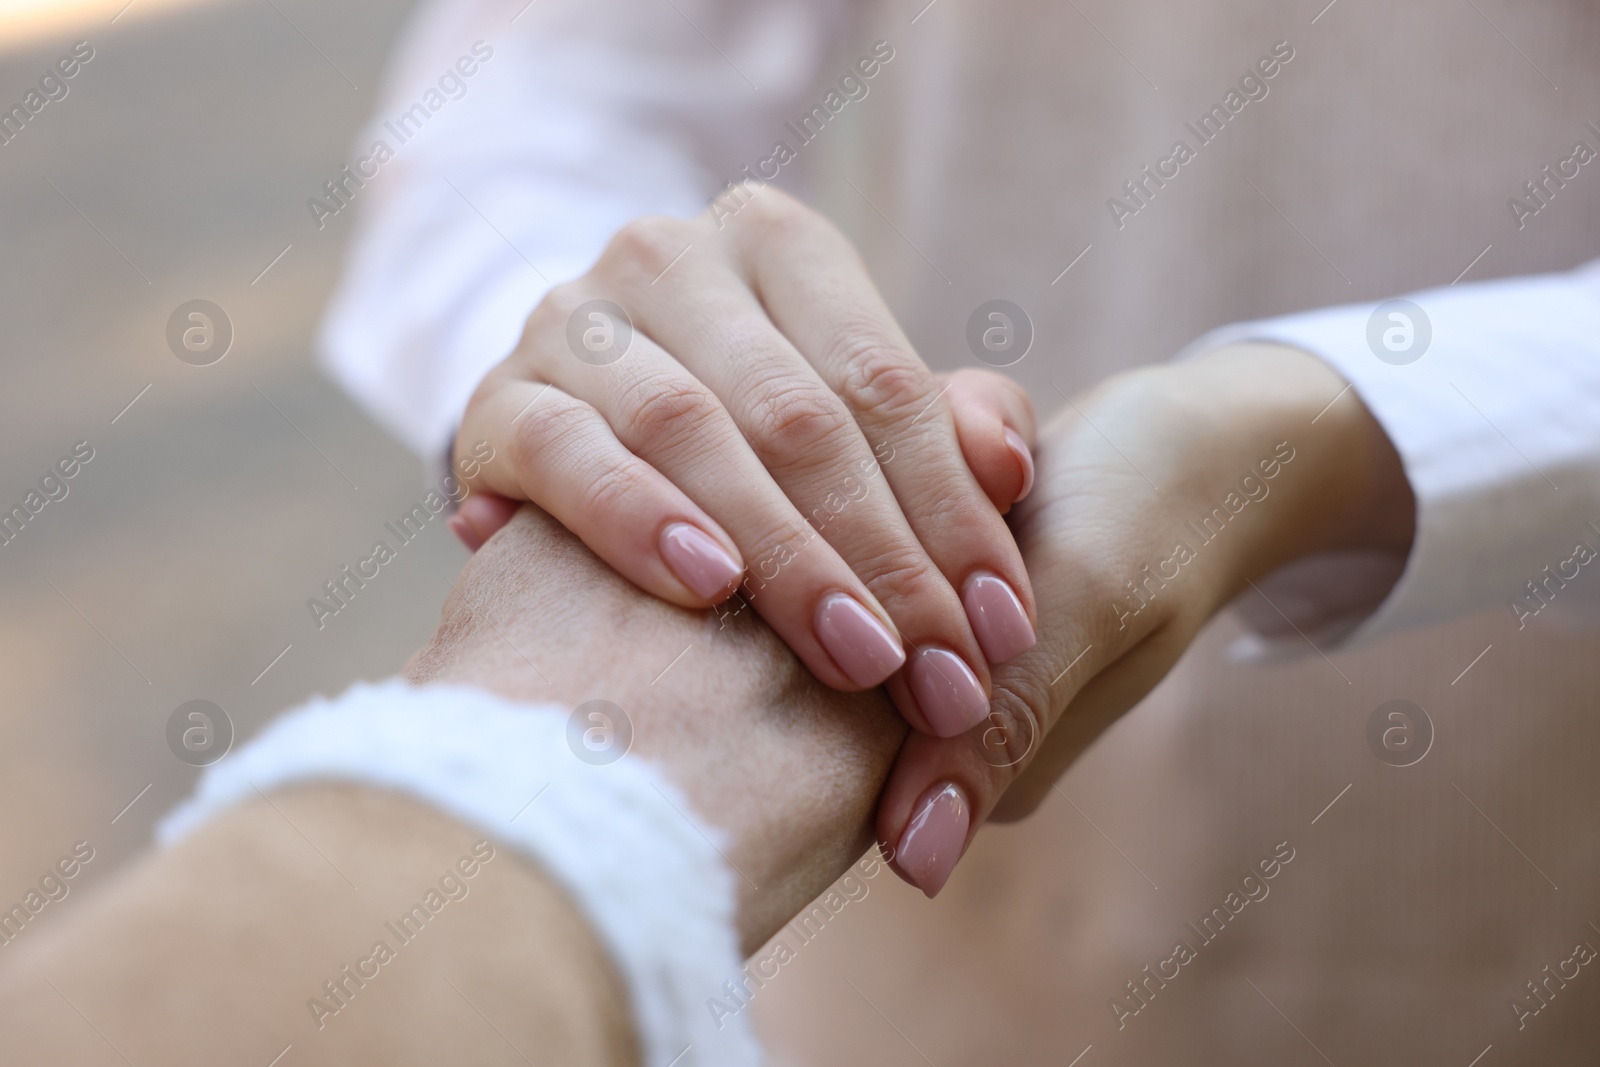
[(755, 419)]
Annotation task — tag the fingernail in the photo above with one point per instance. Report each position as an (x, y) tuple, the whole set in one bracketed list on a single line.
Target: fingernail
[(932, 841), (862, 647), (1019, 448), (466, 533), (951, 696), (997, 618), (698, 561)]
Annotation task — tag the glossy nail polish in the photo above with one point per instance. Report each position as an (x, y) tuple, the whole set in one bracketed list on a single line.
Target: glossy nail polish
[(698, 561), (997, 618), (861, 645), (950, 695), (933, 839), (1019, 448)]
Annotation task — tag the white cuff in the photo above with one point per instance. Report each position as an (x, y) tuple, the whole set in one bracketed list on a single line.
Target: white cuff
[(656, 892), (1501, 408)]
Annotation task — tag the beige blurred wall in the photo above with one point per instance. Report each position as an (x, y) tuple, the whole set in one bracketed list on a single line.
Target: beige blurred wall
[(178, 565)]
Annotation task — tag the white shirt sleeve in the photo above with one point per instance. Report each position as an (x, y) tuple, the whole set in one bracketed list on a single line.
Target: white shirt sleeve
[(1491, 395), (586, 114)]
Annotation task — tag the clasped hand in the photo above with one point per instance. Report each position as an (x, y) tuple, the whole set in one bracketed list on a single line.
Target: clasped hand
[(769, 435)]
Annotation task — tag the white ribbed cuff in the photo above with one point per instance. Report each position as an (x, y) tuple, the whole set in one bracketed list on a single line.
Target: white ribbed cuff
[(617, 837), (1500, 407)]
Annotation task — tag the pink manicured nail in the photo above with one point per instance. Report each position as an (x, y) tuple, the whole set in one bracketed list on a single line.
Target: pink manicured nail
[(1019, 448), (698, 561), (951, 696), (997, 618), (932, 841), (861, 646), (467, 533)]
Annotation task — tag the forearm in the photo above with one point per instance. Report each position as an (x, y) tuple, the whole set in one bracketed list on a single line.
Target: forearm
[(235, 940), (254, 934)]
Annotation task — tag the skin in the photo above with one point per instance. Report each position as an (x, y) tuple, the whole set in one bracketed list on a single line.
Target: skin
[(1096, 518), (208, 951), (1094, 521), (765, 381)]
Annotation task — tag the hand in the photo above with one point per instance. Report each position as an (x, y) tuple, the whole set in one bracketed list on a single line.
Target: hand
[(758, 416), (1159, 496), (786, 769), (209, 949)]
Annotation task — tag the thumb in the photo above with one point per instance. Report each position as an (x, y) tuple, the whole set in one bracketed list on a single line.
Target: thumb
[(995, 425)]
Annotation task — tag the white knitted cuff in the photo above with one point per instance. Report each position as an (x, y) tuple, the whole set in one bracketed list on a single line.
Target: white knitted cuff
[(617, 837)]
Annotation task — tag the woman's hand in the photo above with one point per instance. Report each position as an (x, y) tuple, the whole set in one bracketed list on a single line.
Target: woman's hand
[(1160, 495), (729, 405)]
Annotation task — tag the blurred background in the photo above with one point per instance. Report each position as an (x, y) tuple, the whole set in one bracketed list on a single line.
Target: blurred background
[(221, 497), (178, 565)]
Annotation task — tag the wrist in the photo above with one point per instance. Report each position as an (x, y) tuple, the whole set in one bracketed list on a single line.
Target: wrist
[(785, 771), (1339, 482)]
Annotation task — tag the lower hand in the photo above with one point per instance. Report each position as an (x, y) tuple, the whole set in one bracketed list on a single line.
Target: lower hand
[(785, 769), (1159, 496)]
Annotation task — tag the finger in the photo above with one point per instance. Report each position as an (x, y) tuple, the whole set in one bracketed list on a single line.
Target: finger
[(804, 437), (941, 790), (480, 516), (671, 420), (559, 453), (995, 424), (820, 296), (1092, 710), (1087, 527)]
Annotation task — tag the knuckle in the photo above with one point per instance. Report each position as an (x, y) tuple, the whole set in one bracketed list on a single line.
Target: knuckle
[(615, 490), (880, 376), (946, 501), (772, 207), (549, 317), (794, 420), (560, 301), (1014, 729), (901, 573), (646, 245), (535, 442), (666, 411)]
